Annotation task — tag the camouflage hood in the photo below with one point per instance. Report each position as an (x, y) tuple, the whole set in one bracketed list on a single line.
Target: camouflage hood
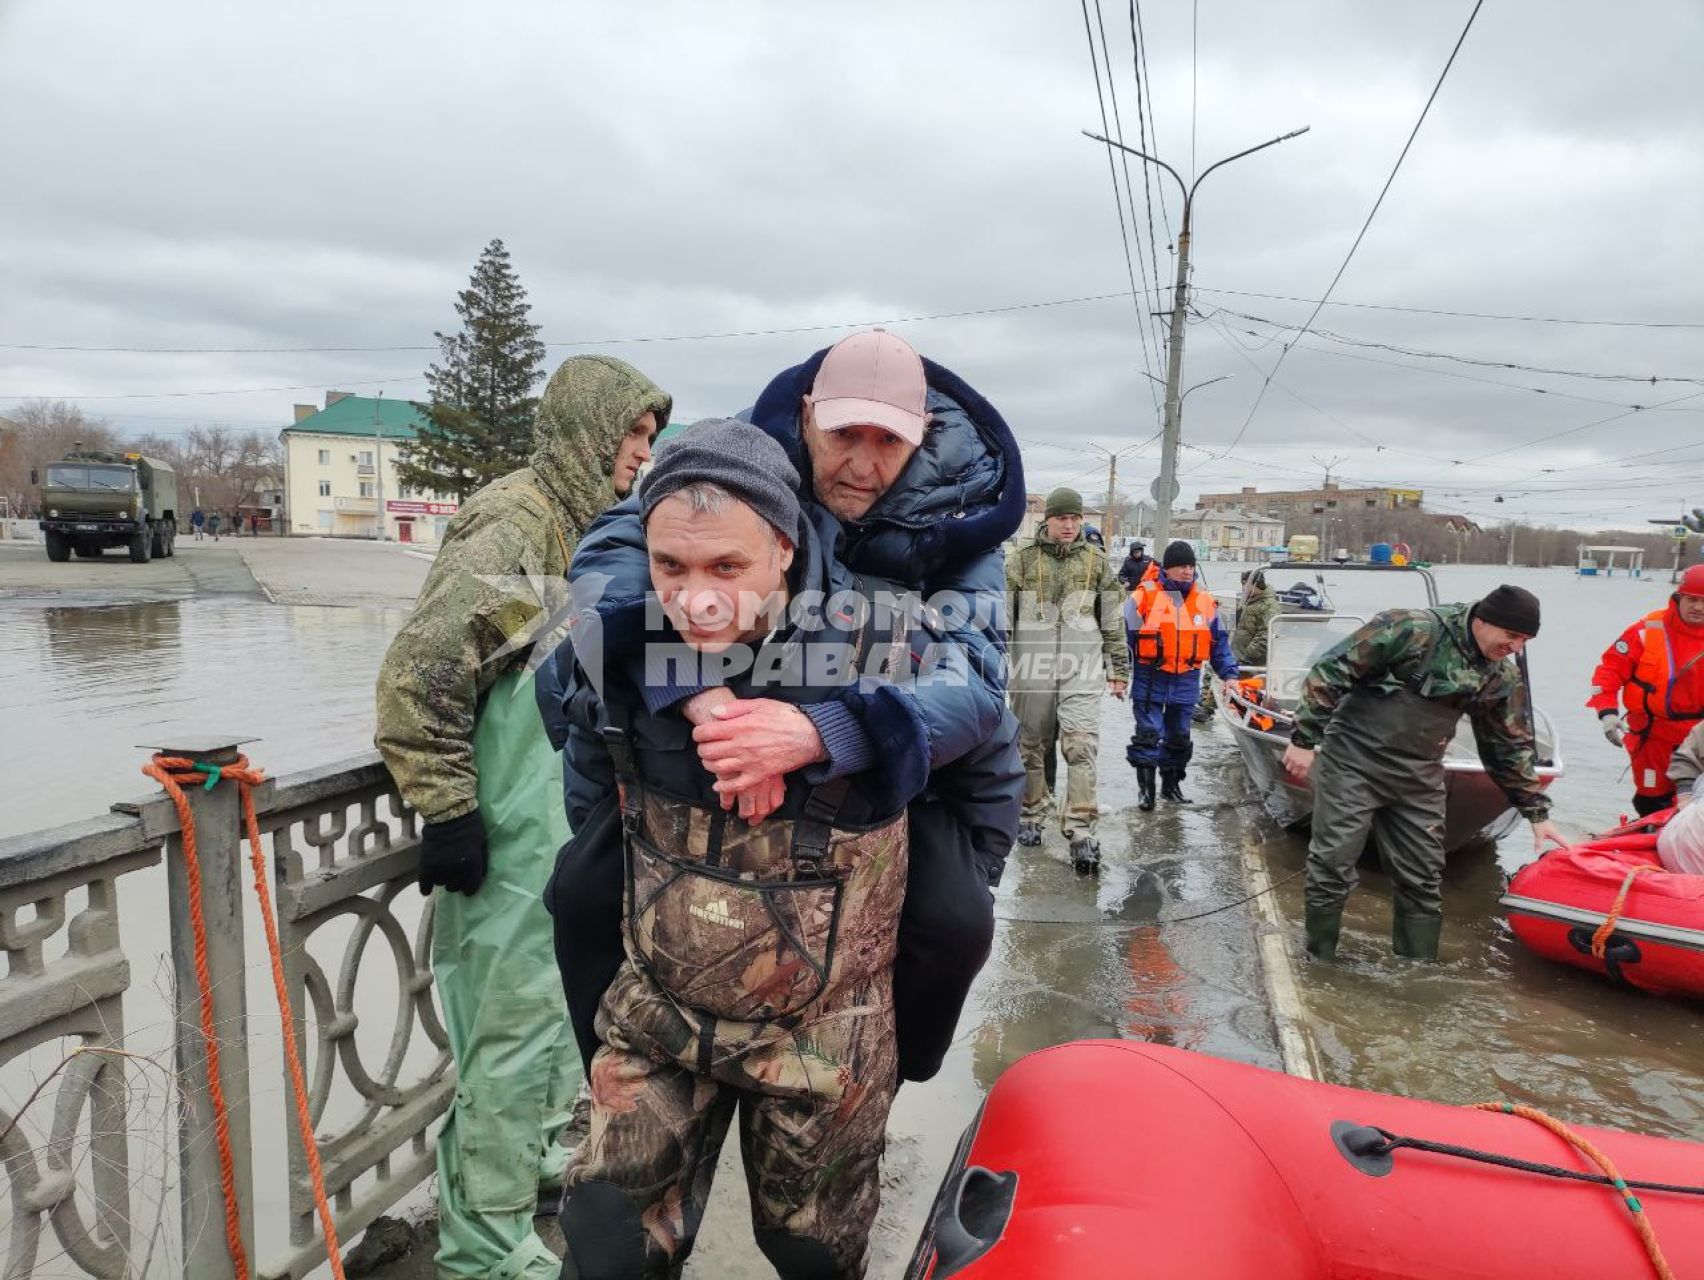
[(587, 407)]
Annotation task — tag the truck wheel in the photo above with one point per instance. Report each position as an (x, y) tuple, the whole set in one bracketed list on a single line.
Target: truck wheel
[(58, 548), (159, 542), (139, 545)]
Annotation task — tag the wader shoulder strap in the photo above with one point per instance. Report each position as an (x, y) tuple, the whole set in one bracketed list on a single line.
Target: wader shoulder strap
[(1416, 684), (618, 741)]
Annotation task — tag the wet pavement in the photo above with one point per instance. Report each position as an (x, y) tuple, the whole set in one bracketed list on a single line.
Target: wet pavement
[(92, 665)]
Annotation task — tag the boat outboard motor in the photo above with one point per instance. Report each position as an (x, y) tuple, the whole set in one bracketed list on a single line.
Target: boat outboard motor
[(1302, 597)]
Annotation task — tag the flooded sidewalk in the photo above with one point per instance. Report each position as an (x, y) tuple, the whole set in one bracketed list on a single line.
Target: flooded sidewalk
[(1074, 956)]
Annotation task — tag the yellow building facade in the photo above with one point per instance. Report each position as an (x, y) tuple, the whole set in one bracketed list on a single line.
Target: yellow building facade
[(340, 472)]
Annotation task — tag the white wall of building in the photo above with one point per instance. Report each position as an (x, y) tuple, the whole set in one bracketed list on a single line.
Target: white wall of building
[(333, 483)]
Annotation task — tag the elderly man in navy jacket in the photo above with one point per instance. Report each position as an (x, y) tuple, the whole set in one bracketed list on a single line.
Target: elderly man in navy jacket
[(923, 477)]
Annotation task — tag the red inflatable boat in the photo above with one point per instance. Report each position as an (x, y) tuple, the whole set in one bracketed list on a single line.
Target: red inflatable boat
[(1609, 906), (1113, 1160)]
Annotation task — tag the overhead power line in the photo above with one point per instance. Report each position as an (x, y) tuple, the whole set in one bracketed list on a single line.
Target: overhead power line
[(1459, 315), (1120, 196), (1483, 362), (1371, 214), (1432, 369), (607, 342)]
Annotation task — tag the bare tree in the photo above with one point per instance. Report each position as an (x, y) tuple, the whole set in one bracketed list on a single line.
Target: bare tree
[(46, 430)]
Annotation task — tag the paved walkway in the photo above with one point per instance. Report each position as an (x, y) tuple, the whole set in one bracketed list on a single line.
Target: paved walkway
[(334, 571), (304, 571)]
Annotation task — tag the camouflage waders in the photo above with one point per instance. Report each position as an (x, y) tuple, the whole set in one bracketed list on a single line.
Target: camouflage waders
[(758, 979), (1381, 774)]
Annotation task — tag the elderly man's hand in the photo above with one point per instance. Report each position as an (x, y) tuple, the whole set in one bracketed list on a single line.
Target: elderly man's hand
[(753, 739)]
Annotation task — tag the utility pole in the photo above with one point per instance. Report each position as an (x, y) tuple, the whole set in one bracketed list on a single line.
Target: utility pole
[(379, 467), (1112, 457), (1111, 496), (1165, 488), (1324, 516)]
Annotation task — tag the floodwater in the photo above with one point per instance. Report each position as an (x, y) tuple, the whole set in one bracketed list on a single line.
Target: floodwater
[(84, 687), (1493, 1021), (81, 686)]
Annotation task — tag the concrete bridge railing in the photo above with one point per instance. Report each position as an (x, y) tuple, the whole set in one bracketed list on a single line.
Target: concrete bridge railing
[(341, 848)]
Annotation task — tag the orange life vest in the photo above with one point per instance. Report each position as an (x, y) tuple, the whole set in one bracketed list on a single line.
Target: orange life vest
[(1177, 641), (1657, 691)]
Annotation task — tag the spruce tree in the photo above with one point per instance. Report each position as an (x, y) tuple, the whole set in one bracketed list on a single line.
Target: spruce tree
[(479, 421)]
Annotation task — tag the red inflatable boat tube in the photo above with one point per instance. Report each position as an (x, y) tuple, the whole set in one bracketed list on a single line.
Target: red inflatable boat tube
[(1558, 907), (1113, 1160)]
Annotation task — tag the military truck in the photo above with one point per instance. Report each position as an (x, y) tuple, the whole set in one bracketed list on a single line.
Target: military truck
[(92, 500)]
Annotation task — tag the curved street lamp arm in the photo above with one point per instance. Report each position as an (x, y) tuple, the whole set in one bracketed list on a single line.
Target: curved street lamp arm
[(1294, 133), (1182, 186)]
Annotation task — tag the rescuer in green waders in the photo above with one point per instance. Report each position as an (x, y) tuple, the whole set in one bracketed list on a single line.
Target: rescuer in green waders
[(1380, 708), (460, 730)]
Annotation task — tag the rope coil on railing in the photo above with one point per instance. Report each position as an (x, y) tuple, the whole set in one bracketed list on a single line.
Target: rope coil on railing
[(173, 773)]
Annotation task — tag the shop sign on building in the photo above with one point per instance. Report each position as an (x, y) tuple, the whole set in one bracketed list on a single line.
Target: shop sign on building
[(403, 507)]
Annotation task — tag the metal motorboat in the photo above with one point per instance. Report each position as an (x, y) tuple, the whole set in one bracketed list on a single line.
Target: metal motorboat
[(1260, 709)]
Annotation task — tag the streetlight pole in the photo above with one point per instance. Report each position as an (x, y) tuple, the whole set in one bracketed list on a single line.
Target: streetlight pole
[(1167, 482), (1112, 458), (379, 467)]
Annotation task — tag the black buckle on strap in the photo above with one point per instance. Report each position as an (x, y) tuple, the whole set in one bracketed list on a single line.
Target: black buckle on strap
[(813, 830)]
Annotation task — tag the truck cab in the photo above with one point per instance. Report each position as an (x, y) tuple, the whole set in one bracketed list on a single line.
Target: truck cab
[(94, 500)]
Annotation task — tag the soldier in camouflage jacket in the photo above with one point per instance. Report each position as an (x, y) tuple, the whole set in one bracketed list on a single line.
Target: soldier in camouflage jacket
[(1381, 708), (459, 729)]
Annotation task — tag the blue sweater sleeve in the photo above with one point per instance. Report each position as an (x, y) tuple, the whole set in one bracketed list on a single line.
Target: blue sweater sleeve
[(1223, 660)]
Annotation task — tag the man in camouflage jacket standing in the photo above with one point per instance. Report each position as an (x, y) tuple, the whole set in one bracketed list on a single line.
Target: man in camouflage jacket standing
[(460, 731), (1381, 707), (1067, 646)]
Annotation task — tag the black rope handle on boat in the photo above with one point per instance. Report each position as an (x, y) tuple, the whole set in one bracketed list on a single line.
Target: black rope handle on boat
[(1396, 1142), (1148, 924)]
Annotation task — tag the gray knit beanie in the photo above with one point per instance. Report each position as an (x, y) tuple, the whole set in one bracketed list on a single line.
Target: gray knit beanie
[(731, 455)]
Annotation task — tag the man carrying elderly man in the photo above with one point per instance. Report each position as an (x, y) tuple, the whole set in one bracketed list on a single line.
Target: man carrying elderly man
[(759, 942), (924, 480)]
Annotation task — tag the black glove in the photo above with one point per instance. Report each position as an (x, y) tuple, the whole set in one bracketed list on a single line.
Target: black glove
[(452, 854)]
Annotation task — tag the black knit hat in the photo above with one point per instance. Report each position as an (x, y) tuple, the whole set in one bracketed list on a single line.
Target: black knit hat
[(1512, 608), (1178, 554), (734, 456)]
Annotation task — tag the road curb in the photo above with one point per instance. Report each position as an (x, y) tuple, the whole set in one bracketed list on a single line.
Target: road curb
[(1289, 1015)]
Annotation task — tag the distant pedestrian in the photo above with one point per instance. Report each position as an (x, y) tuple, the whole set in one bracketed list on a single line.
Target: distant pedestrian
[(254, 526), (213, 525), (1138, 566), (198, 522)]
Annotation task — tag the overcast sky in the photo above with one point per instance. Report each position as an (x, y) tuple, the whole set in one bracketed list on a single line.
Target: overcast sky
[(325, 174)]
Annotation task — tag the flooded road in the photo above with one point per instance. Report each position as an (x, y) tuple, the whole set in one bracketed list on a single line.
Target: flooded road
[(1493, 1021), (84, 685), (84, 680)]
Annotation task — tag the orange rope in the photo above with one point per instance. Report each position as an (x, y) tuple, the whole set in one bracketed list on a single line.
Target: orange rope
[(1600, 939), (1641, 1223), (172, 773)]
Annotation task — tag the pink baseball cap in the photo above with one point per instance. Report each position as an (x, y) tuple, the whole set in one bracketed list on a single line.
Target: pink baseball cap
[(872, 379)]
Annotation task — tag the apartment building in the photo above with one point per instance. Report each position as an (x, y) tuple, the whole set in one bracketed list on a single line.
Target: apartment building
[(340, 465)]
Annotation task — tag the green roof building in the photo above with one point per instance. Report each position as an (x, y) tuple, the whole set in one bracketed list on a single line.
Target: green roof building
[(340, 466)]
